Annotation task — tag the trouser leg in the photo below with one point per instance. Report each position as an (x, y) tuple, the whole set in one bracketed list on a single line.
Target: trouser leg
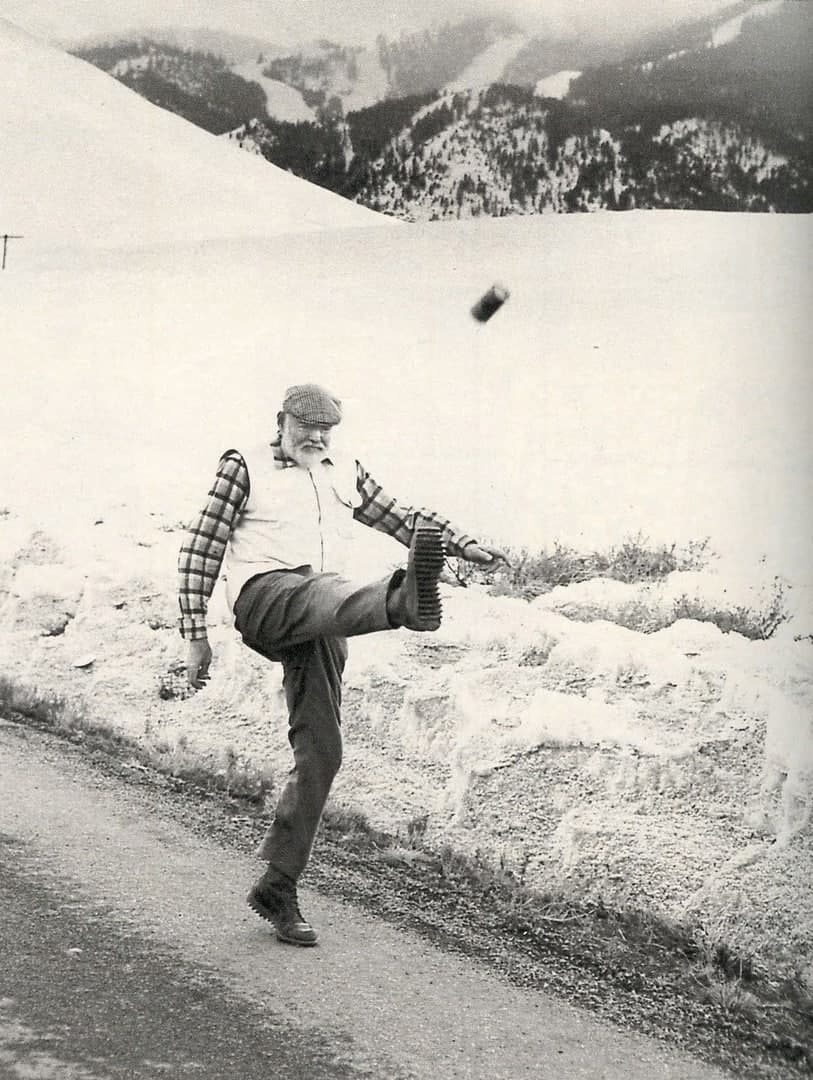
[(313, 688), (302, 620), (284, 608)]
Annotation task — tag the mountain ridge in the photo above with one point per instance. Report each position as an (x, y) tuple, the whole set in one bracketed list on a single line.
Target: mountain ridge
[(711, 115)]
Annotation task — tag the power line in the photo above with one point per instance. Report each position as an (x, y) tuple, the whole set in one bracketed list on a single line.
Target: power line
[(6, 238)]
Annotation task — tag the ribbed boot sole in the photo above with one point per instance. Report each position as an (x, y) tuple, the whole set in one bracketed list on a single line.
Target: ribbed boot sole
[(428, 562)]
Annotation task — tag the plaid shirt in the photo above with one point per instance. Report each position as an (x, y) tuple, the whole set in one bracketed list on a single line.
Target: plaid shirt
[(204, 546)]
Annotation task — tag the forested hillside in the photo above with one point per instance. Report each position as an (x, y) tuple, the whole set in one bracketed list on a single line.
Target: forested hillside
[(712, 116), (196, 85), (506, 151)]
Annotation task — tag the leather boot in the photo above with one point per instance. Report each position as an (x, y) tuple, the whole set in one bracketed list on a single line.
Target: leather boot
[(274, 899), (414, 600)]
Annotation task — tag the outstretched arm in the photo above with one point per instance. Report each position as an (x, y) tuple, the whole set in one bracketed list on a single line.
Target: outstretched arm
[(201, 557), (380, 511)]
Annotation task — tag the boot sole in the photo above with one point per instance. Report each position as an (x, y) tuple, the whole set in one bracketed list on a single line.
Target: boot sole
[(428, 563), (265, 913)]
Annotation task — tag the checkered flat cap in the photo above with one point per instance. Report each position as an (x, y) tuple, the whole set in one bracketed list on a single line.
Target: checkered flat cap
[(312, 404)]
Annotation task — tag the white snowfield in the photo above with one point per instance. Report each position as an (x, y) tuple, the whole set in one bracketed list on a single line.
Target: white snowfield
[(650, 373)]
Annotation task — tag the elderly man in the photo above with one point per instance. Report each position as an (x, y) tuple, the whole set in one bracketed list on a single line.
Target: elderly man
[(281, 515)]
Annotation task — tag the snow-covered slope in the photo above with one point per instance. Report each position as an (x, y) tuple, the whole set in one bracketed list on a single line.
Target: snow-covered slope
[(87, 161), (488, 67)]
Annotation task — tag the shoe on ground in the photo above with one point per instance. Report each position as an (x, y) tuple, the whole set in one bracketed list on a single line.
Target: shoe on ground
[(279, 906), (415, 601)]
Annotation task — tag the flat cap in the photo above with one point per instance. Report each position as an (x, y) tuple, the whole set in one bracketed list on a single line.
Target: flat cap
[(312, 404)]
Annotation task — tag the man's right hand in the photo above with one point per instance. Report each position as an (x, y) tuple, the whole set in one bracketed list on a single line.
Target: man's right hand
[(198, 658)]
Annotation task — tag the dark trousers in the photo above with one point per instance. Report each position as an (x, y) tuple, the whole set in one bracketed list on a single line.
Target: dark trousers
[(302, 620)]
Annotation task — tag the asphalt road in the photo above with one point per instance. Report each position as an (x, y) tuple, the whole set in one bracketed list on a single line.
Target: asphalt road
[(127, 950)]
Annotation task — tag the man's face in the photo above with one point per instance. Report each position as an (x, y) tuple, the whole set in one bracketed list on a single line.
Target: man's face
[(306, 444)]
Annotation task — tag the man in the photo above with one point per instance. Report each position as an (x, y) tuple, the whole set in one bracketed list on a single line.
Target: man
[(281, 515)]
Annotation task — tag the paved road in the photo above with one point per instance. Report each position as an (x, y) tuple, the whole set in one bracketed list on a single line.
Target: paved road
[(128, 951)]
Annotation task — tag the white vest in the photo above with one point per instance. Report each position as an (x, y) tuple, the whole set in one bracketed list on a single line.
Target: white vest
[(294, 517)]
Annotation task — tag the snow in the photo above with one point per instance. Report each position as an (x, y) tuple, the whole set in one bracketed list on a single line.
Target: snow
[(283, 102), (731, 29), (649, 374), (489, 65), (718, 142), (371, 84), (125, 175), (556, 86)]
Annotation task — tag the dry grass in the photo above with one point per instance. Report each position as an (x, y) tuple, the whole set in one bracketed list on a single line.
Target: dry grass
[(224, 771), (532, 573), (635, 560)]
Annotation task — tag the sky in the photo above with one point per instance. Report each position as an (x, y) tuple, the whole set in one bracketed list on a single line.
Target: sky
[(289, 21)]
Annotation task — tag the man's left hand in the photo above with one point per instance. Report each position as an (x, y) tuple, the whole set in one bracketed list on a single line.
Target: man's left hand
[(485, 555)]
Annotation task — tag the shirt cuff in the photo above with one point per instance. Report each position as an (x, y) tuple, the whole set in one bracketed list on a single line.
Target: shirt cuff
[(193, 628), (459, 545)]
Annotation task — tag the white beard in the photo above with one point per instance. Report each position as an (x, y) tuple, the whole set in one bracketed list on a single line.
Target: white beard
[(307, 458)]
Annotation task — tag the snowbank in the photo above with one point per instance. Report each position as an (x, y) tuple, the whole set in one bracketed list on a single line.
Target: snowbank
[(657, 769)]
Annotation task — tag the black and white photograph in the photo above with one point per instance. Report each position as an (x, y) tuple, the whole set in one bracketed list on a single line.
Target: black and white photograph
[(406, 540)]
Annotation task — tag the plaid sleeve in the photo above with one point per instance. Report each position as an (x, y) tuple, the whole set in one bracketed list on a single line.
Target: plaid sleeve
[(380, 511), (201, 554)]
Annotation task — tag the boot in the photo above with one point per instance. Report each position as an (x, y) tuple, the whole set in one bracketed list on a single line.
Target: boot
[(274, 899), (414, 600)]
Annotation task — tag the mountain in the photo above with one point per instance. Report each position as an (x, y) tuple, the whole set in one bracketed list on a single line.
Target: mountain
[(330, 78), (714, 116), (478, 118), (129, 172), (235, 49), (199, 86), (752, 66), (505, 150), (231, 47)]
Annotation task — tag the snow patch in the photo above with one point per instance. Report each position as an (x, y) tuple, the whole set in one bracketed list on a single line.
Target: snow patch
[(600, 651), (371, 84), (730, 30), (556, 86), (61, 582), (283, 102), (489, 66)]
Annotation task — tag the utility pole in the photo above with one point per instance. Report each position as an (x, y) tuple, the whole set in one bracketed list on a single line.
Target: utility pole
[(6, 238)]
